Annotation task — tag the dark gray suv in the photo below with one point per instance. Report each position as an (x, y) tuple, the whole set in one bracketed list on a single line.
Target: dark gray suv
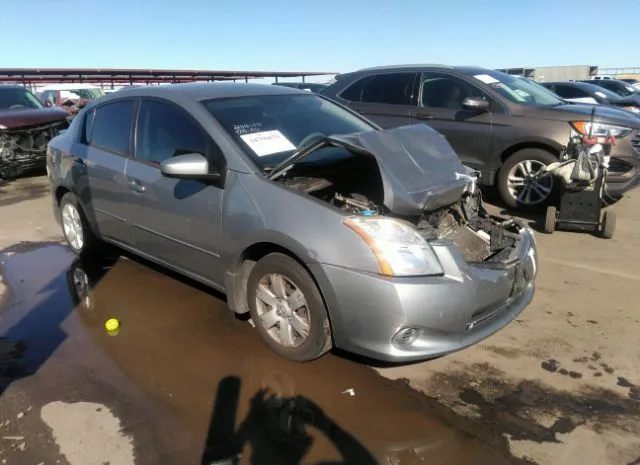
[(506, 127)]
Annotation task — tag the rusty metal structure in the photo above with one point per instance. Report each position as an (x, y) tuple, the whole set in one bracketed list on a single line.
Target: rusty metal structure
[(31, 77)]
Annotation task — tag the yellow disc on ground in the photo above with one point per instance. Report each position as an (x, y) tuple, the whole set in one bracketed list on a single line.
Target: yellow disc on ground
[(112, 324)]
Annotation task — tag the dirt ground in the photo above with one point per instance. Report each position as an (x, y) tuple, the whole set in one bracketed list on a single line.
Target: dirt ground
[(560, 385)]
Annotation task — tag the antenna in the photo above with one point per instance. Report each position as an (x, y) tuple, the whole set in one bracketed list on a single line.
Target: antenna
[(593, 115)]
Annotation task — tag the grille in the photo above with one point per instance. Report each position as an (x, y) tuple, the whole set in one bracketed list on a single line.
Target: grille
[(636, 141)]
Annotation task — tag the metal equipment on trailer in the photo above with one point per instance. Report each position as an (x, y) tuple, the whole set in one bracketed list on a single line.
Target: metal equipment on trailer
[(582, 170)]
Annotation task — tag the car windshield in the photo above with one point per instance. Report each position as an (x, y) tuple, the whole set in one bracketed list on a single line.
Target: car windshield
[(270, 128), (601, 92), (17, 97), (517, 89)]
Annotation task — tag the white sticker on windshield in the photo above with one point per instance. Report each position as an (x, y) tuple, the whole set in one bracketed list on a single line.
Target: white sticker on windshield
[(267, 142), (486, 78), (521, 93), (600, 94)]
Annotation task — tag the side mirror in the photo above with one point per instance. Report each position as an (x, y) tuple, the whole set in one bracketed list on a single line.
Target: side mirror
[(476, 104), (187, 166)]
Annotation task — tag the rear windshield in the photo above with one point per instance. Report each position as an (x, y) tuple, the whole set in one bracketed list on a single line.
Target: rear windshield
[(14, 98), (270, 128)]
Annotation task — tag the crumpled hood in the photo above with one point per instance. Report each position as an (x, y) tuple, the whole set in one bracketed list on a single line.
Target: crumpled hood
[(26, 117), (419, 168)]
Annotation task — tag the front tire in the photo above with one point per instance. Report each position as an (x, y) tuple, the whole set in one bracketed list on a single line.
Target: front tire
[(515, 184), (287, 309), (75, 227)]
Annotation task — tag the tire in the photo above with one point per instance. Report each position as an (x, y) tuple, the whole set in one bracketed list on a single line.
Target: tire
[(608, 224), (301, 348), (88, 244), (538, 156), (550, 220)]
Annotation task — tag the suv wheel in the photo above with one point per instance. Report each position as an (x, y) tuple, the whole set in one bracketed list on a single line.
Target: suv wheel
[(75, 227), (517, 184), (287, 309)]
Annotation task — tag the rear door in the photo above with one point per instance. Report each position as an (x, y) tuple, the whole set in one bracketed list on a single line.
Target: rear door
[(176, 221), (383, 98), (438, 103), (107, 137)]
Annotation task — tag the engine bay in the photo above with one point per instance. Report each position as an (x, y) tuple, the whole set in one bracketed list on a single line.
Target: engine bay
[(357, 189)]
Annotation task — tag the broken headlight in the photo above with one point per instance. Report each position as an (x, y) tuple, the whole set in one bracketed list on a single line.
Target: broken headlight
[(398, 247)]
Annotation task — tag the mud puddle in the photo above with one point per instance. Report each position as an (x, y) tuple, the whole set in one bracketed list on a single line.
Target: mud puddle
[(192, 384)]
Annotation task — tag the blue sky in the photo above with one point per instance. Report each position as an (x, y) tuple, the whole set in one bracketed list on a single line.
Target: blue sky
[(321, 35)]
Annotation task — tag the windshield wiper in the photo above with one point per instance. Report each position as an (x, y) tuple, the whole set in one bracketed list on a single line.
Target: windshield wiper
[(284, 166)]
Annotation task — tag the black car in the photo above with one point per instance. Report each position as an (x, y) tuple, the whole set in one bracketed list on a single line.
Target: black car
[(622, 88), (506, 127), (583, 92), (309, 86)]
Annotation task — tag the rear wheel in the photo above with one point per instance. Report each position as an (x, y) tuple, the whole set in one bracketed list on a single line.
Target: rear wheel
[(517, 181), (75, 227), (287, 308)]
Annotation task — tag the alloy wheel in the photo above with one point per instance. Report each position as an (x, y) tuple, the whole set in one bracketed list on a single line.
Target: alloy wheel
[(524, 184), (72, 226)]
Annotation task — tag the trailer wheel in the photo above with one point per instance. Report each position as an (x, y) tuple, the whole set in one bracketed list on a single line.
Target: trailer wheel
[(608, 224), (550, 219)]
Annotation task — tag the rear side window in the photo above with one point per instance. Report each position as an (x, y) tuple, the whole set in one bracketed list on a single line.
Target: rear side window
[(112, 126), (392, 89), (353, 93), (566, 91)]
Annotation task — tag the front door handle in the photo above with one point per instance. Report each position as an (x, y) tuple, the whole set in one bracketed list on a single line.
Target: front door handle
[(423, 116), (136, 186)]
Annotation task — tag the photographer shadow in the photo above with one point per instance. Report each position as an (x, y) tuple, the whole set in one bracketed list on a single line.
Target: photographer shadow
[(275, 428)]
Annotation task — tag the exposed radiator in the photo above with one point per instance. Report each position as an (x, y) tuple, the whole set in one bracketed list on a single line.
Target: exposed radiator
[(472, 246)]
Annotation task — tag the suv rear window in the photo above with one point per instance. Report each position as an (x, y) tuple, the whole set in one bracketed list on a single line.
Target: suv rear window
[(391, 89)]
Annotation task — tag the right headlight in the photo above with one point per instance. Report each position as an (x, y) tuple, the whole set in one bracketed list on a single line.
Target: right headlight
[(398, 247), (600, 129)]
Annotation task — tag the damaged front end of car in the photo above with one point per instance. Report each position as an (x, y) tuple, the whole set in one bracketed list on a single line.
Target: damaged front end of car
[(24, 148), (412, 174)]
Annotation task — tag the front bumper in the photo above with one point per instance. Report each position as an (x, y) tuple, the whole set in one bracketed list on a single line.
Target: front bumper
[(408, 319)]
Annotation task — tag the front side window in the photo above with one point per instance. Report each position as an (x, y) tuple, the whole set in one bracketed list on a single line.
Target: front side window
[(438, 90), (270, 128), (112, 126), (164, 131), (15, 98)]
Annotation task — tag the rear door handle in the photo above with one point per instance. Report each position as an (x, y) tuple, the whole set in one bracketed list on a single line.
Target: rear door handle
[(136, 186), (423, 116)]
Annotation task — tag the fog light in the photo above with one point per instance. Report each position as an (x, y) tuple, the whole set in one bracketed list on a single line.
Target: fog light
[(406, 337)]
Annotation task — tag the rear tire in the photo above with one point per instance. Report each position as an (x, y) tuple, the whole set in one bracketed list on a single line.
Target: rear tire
[(550, 220), (75, 227), (513, 166), (307, 333)]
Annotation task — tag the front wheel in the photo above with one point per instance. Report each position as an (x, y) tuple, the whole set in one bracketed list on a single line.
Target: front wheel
[(519, 183), (287, 309)]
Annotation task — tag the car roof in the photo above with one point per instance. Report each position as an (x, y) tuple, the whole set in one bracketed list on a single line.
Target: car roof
[(209, 90), (418, 67), (67, 86)]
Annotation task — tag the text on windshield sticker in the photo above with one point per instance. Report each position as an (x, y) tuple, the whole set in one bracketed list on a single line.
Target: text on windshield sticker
[(267, 142), (486, 78)]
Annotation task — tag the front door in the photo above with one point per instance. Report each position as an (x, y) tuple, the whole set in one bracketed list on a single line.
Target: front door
[(175, 221), (439, 104), (385, 99), (105, 144)]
